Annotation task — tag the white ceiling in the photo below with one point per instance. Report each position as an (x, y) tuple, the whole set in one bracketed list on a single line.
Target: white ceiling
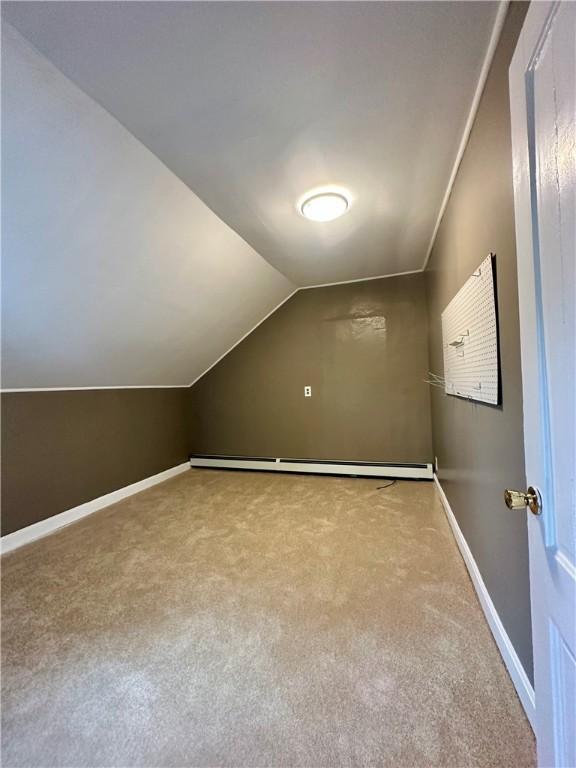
[(251, 104), (113, 272)]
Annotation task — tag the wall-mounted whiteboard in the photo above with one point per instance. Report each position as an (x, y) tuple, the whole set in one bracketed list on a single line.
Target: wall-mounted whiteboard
[(470, 338)]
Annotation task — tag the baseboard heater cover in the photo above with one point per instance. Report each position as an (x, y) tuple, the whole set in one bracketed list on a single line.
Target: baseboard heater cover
[(315, 466)]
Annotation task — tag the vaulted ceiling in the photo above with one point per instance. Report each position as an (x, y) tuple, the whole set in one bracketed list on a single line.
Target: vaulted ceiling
[(114, 273), (238, 108), (253, 103)]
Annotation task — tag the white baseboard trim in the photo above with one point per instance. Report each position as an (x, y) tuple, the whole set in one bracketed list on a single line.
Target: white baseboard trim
[(402, 471), (513, 664), (45, 527)]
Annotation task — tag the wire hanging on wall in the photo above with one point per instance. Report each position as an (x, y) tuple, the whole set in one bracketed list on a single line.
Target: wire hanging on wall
[(435, 381)]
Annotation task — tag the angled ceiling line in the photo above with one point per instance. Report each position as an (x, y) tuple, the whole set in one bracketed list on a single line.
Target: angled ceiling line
[(236, 343), (485, 70), (295, 291), (223, 355), (161, 337), (359, 280), (52, 27)]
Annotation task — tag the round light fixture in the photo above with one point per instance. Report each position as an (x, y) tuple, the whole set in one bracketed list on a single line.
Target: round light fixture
[(324, 206)]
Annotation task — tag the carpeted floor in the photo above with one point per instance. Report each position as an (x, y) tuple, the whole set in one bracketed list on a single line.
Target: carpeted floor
[(247, 619)]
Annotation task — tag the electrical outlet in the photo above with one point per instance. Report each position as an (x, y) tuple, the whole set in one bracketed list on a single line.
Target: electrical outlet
[(307, 391), (436, 464)]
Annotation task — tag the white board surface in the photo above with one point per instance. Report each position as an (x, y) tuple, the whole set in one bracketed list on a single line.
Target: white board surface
[(470, 338)]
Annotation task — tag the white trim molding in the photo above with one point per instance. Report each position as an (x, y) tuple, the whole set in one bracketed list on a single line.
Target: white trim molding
[(240, 340), (362, 469), (45, 527), (360, 279), (487, 63), (513, 664)]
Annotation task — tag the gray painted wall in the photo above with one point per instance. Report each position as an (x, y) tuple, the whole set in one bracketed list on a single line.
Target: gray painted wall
[(480, 448), (363, 349)]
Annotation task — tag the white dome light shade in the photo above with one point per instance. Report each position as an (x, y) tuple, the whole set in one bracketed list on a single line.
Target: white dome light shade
[(324, 206)]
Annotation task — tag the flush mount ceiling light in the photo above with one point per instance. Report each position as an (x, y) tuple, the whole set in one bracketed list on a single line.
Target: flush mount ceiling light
[(324, 206)]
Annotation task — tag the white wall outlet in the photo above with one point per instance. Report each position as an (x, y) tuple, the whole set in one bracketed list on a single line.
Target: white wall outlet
[(436, 464), (307, 391)]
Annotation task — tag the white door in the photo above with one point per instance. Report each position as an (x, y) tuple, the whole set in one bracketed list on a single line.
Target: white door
[(542, 96)]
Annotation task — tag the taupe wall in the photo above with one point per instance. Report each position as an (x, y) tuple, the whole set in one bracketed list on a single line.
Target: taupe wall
[(480, 448), (61, 449), (363, 349)]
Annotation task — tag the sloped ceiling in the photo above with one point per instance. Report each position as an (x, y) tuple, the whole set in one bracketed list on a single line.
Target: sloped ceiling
[(153, 154), (113, 273), (252, 104)]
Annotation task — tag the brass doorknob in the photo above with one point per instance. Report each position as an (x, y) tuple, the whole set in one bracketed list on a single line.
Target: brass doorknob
[(518, 499)]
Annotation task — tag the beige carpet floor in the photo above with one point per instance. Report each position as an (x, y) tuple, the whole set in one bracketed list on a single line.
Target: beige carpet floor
[(251, 619)]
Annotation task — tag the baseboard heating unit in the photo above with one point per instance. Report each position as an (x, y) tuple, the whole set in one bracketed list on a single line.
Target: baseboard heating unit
[(357, 468)]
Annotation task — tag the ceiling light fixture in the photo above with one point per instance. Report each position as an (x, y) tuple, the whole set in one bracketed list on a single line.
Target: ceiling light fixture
[(324, 206)]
